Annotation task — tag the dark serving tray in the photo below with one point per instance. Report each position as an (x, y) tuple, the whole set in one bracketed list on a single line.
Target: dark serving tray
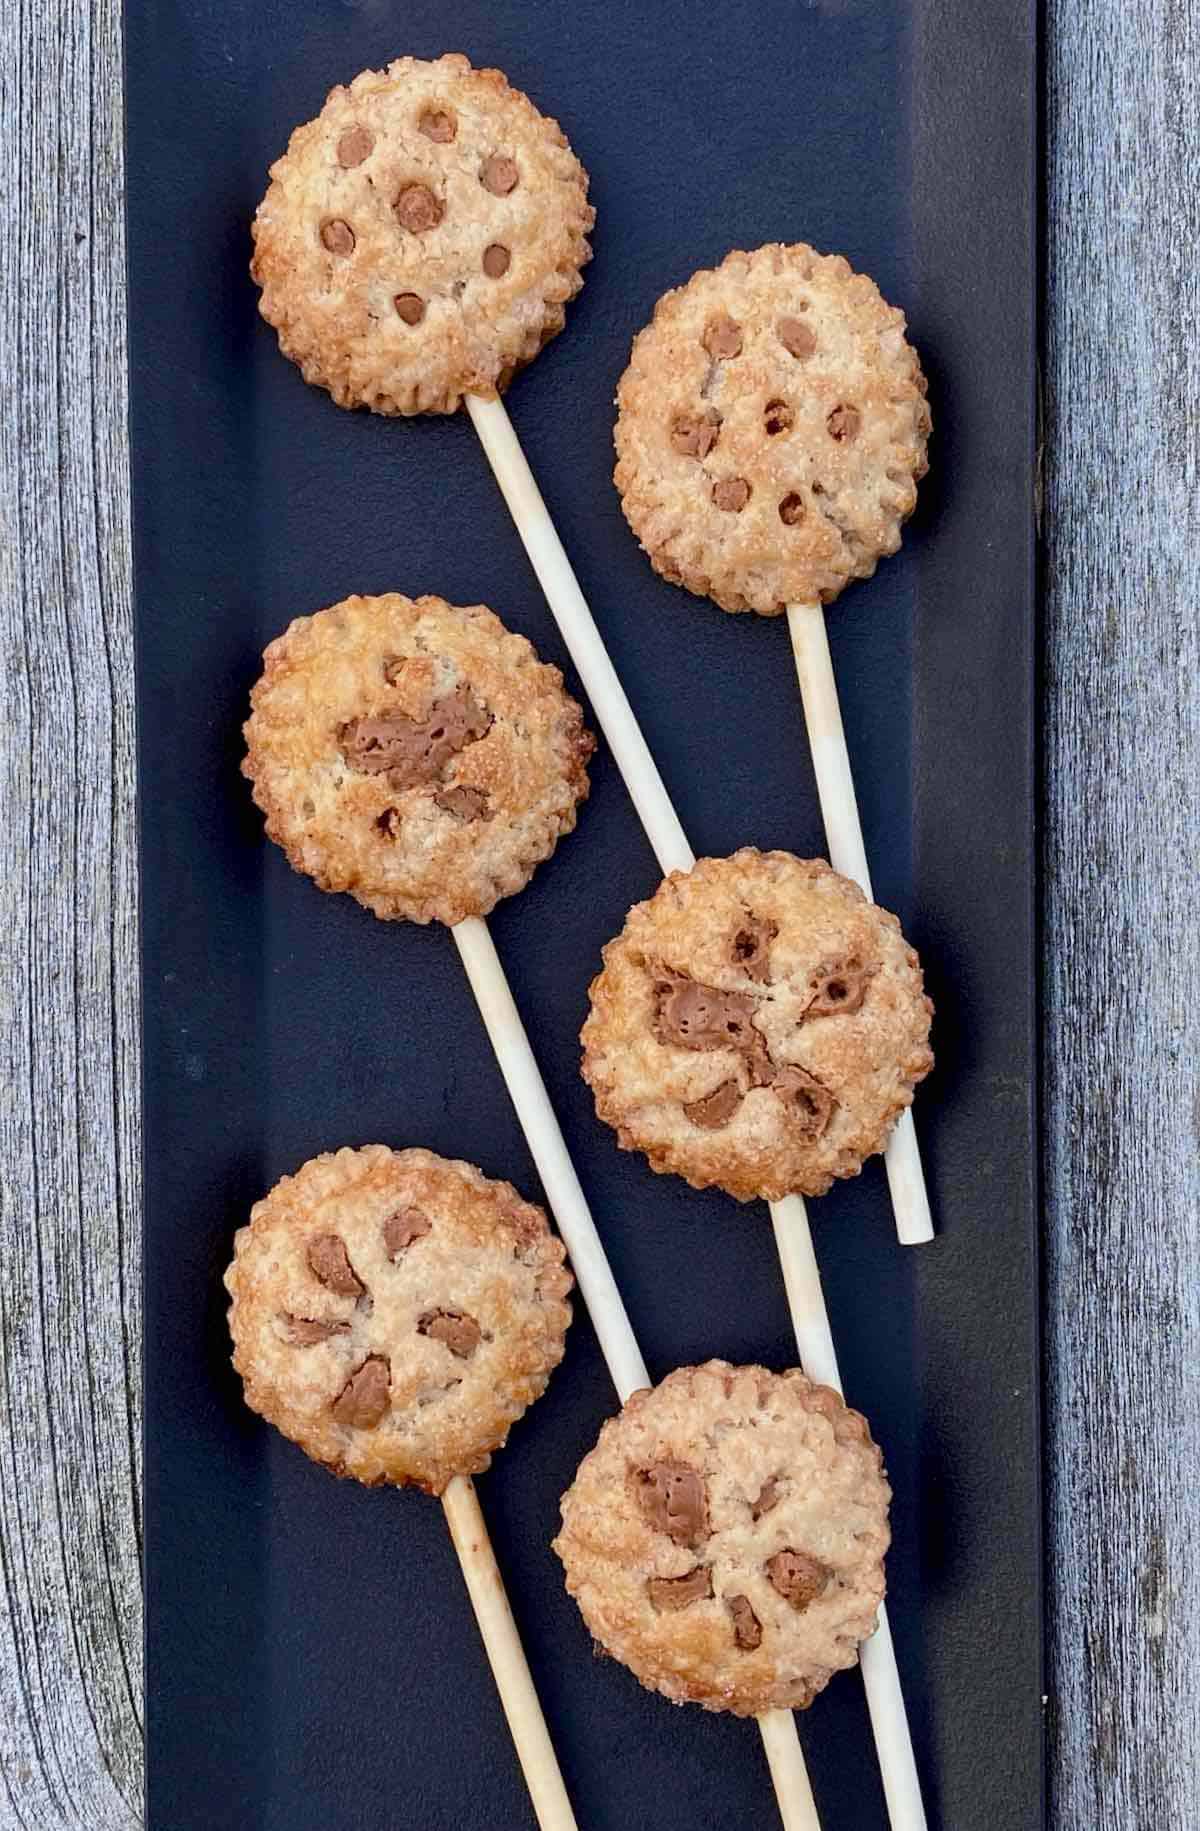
[(312, 1659)]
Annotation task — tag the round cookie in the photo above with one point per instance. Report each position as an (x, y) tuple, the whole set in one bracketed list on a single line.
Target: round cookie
[(725, 1538), (421, 237), (758, 1025), (394, 1313), (772, 428), (415, 754)]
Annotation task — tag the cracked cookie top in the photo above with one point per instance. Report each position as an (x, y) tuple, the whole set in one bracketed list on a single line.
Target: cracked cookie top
[(394, 1313), (415, 754), (421, 237), (725, 1538), (757, 1025), (772, 429)]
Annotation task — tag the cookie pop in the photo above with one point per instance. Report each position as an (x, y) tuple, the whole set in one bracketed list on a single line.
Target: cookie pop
[(725, 1539), (421, 237), (757, 1025), (772, 429), (419, 757), (394, 1313)]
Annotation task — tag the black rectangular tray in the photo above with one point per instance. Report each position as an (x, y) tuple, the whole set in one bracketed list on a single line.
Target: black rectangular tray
[(312, 1660)]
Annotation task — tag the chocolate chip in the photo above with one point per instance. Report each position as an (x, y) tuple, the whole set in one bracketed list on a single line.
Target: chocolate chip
[(496, 260), (388, 823), (677, 1592), (747, 1628), (413, 752), (437, 125), (795, 337), (777, 417), (454, 1329), (671, 1496), (463, 802), (694, 1016), (329, 1261), (808, 1102), (769, 1497), (694, 435), (722, 338), (714, 1110), (732, 494), (791, 510), (306, 1330), (499, 175), (417, 209), (750, 947), (337, 236), (410, 306), (839, 988), (354, 146), (843, 423), (798, 1578), (401, 1229), (364, 1398)]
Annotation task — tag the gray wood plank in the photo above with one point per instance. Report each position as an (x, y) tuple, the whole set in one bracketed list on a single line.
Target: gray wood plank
[(70, 1608), (1123, 948), (1122, 979)]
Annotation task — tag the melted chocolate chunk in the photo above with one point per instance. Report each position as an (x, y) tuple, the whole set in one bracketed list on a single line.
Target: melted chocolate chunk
[(798, 1577), (678, 1592), (411, 752), (363, 1400), (672, 1498), (695, 1016)]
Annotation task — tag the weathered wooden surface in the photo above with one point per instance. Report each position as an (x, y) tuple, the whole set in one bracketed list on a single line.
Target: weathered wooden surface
[(70, 1525), (1122, 943), (1122, 975)]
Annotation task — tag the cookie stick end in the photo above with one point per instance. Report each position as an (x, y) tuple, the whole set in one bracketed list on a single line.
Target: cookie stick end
[(847, 854), (579, 632), (506, 1656)]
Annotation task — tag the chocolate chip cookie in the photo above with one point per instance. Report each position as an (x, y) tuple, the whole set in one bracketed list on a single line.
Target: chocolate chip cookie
[(725, 1538), (758, 1025), (415, 754), (772, 429), (394, 1313), (421, 237)]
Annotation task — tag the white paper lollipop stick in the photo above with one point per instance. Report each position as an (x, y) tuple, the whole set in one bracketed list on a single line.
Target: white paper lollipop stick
[(510, 1669), (847, 854), (648, 792), (527, 1090), (785, 1758), (579, 632), (597, 1285), (806, 1300), (881, 1675)]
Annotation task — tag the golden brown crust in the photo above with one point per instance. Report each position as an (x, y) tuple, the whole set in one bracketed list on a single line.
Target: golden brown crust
[(796, 990), (486, 810), (772, 428), (775, 1575), (380, 244), (395, 1312)]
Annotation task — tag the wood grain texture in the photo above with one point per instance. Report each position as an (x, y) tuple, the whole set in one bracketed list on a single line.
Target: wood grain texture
[(70, 1608), (1122, 979)]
